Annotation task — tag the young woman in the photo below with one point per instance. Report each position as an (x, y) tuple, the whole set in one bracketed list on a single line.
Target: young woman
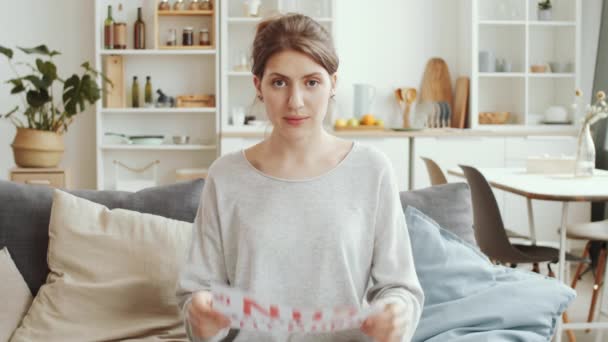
[(303, 218)]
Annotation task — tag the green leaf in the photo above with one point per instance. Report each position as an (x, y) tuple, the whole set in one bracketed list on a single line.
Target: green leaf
[(18, 85), (37, 98), (71, 94), (88, 68), (6, 51), (48, 69), (40, 50), (36, 82), (11, 112), (76, 91), (29, 65)]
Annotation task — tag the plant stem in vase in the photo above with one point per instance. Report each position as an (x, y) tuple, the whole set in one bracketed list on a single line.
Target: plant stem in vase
[(585, 153)]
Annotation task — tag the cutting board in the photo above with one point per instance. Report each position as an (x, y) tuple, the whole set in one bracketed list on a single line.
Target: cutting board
[(461, 102), (436, 83), (114, 69)]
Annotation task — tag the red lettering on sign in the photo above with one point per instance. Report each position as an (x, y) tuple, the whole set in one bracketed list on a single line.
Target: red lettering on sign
[(248, 304)]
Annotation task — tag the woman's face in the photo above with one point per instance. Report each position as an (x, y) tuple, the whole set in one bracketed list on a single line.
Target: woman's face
[(296, 92)]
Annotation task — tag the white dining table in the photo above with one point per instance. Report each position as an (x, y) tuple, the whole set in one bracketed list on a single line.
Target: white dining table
[(563, 188)]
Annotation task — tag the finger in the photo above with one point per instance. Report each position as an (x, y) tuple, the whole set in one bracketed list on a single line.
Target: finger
[(220, 319)]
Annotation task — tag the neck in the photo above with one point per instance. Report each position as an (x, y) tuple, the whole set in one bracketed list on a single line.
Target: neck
[(301, 150)]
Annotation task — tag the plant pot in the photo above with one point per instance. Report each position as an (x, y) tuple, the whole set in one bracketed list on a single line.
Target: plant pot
[(545, 14), (35, 148)]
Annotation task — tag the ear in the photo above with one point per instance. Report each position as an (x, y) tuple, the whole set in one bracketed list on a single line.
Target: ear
[(334, 82), (257, 82)]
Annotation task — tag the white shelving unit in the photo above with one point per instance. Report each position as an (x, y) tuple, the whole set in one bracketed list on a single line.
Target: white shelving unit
[(175, 70), (510, 29), (237, 33)]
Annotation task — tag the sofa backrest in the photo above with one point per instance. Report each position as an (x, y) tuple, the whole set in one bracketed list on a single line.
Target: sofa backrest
[(448, 204), (25, 212)]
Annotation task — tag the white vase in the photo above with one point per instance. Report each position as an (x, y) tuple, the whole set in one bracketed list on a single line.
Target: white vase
[(585, 153), (545, 14)]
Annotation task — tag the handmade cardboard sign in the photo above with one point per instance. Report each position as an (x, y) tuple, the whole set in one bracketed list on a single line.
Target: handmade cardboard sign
[(248, 313)]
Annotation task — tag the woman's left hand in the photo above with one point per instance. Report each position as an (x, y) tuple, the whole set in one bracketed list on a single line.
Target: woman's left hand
[(388, 325)]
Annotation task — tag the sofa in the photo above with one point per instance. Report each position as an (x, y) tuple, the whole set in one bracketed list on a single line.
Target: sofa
[(457, 279)]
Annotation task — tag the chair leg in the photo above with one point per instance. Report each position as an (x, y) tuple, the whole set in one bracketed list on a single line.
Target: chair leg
[(565, 319), (599, 275), (579, 268)]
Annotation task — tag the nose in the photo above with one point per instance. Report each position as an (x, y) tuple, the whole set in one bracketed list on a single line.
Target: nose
[(295, 99)]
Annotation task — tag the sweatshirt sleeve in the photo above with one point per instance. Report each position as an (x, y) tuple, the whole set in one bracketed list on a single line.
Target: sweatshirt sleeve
[(205, 262), (393, 274)]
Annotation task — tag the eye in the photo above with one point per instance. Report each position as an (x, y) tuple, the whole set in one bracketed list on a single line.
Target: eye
[(312, 83), (278, 83)]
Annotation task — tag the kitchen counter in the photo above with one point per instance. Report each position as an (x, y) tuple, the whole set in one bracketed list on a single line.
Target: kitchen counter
[(433, 132)]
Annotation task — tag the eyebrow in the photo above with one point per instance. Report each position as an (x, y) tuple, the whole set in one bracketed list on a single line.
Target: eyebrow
[(287, 77)]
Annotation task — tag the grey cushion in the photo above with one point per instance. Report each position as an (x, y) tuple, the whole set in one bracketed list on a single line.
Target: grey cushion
[(25, 212), (448, 204)]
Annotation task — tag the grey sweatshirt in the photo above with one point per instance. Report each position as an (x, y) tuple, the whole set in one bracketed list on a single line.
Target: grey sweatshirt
[(339, 239)]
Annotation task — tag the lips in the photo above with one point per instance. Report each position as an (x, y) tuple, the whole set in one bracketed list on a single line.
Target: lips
[(295, 120)]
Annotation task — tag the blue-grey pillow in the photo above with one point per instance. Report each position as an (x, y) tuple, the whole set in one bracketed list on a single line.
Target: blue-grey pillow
[(467, 298), (448, 204), (25, 213)]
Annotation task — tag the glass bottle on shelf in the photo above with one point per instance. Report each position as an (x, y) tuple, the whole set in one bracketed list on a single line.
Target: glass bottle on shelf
[(135, 93), (139, 31), (120, 30), (108, 30), (179, 5), (164, 5), (148, 102)]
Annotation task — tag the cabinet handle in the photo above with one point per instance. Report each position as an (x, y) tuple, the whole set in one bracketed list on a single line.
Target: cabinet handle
[(38, 182)]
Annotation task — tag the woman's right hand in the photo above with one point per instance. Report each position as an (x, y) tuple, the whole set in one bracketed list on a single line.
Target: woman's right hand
[(204, 321)]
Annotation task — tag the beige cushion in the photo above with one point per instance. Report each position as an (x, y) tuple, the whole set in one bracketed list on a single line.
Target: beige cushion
[(112, 276), (15, 296)]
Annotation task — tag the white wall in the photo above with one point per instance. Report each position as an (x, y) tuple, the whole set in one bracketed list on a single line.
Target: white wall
[(386, 43), (32, 22)]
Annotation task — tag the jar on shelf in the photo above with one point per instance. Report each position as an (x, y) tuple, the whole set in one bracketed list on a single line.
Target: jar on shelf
[(204, 38), (179, 5), (188, 36), (171, 37), (164, 5), (205, 5), (194, 5)]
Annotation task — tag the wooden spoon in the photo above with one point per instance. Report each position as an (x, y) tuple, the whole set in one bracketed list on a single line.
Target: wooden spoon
[(410, 97)]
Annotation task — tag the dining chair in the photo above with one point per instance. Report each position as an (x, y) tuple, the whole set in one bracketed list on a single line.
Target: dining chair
[(492, 238), (596, 234), (436, 175)]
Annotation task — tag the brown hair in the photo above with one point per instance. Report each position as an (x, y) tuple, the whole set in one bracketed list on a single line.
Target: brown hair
[(293, 32)]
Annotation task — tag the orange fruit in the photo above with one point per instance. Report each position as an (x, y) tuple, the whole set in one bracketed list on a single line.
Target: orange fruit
[(368, 120)]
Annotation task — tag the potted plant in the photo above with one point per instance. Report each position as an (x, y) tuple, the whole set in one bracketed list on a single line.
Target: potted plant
[(39, 138), (544, 10)]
